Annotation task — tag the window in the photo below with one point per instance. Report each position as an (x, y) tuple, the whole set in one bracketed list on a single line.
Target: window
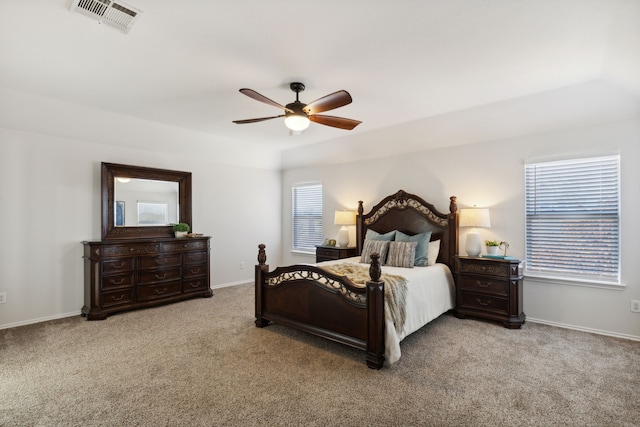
[(572, 219), (307, 216)]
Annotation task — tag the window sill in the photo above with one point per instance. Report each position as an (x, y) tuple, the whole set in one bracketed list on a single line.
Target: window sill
[(573, 282), (301, 252)]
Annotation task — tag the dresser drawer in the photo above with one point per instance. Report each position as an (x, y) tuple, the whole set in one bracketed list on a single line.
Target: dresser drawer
[(112, 298), (119, 281), (190, 285), (149, 262), (115, 266), (130, 249), (148, 277), (195, 257), (148, 293), (184, 245), (485, 284), (486, 303), (194, 270)]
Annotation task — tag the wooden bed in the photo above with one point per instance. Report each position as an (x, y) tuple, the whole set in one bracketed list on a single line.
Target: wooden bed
[(314, 300)]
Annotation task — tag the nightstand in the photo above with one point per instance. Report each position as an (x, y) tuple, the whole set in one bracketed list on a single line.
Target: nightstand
[(330, 253), (491, 289)]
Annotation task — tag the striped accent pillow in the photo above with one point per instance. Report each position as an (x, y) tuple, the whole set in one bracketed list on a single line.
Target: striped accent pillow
[(401, 254), (371, 246)]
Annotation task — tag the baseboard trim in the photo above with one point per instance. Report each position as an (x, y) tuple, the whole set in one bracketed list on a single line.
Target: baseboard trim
[(39, 320), (582, 329), (226, 285)]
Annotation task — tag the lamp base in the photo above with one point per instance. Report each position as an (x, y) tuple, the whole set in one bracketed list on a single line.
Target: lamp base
[(473, 246), (343, 237)]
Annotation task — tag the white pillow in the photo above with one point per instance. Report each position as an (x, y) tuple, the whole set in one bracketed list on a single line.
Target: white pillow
[(433, 251)]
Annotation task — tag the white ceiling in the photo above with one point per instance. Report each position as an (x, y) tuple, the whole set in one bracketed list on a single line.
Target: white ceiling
[(403, 61)]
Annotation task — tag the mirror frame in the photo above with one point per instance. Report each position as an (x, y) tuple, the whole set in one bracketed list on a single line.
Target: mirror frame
[(112, 170)]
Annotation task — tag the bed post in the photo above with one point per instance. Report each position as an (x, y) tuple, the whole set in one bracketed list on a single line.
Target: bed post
[(375, 315), (359, 236), (453, 229), (260, 269)]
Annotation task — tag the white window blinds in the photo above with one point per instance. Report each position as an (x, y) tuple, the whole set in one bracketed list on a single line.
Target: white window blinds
[(307, 216), (572, 219)]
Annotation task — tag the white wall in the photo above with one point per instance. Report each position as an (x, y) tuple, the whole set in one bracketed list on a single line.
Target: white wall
[(490, 175), (50, 202)]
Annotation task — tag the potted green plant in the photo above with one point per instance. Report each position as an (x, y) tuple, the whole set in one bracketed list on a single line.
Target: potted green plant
[(181, 229), (492, 246)]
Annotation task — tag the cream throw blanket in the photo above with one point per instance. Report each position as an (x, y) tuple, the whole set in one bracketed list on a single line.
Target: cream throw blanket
[(395, 289)]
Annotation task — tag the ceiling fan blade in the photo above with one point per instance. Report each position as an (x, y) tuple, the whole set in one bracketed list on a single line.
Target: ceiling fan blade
[(255, 95), (329, 102), (336, 122), (261, 119)]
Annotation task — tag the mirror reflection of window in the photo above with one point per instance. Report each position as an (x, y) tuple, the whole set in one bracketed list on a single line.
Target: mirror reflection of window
[(119, 213), (160, 199), (153, 213)]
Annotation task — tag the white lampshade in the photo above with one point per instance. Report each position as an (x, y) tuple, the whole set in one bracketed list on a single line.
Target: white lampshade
[(296, 122), (344, 218), (474, 217)]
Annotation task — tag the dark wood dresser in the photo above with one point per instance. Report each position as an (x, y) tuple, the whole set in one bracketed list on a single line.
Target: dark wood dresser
[(490, 289), (330, 253), (121, 275)]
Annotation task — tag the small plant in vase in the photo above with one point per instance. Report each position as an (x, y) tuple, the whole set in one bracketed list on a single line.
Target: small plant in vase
[(492, 247), (181, 229)]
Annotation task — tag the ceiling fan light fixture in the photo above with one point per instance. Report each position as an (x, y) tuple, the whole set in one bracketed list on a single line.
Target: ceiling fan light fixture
[(297, 122)]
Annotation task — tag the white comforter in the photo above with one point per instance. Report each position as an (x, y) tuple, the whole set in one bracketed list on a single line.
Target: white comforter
[(430, 293)]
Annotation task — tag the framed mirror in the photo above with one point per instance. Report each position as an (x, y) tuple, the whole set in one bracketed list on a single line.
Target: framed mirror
[(142, 202)]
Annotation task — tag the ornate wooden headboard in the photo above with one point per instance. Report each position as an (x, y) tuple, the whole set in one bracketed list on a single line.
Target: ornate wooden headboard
[(412, 215)]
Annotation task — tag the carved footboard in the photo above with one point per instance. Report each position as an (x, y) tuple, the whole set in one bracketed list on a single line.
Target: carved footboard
[(316, 301)]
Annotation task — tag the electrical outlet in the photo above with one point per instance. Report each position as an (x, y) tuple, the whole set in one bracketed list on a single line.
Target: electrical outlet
[(241, 265), (3, 298), (635, 305)]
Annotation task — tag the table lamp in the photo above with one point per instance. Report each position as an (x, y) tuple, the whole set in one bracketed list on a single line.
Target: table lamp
[(344, 218), (474, 217)]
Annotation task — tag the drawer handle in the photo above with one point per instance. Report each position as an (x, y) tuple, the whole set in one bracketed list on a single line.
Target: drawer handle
[(483, 284), (117, 282), (483, 303), (194, 270), (161, 276), (194, 284), (113, 297), (161, 261), (117, 266), (161, 292), (131, 249)]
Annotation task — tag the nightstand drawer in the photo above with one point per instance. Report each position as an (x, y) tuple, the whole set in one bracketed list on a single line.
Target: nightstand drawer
[(485, 303), (484, 267), (484, 284), (328, 253)]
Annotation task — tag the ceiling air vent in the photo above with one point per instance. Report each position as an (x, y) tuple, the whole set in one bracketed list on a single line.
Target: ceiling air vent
[(116, 14)]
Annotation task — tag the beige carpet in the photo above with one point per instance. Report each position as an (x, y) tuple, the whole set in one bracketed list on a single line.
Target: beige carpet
[(204, 363)]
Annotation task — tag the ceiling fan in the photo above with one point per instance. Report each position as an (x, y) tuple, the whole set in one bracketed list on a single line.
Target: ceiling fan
[(297, 115)]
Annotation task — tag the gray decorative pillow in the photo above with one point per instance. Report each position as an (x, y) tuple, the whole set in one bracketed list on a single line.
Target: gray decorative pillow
[(401, 254), (371, 246), (421, 259), (374, 235)]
